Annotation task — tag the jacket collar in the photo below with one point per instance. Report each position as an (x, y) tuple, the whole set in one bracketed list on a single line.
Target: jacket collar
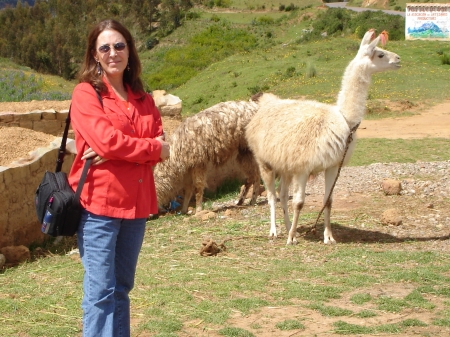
[(131, 94)]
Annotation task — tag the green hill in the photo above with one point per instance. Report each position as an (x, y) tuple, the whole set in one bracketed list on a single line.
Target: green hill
[(232, 53)]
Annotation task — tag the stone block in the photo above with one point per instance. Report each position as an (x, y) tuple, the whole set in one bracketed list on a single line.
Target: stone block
[(4, 201), (26, 124), (62, 115), (6, 117), (52, 127), (49, 114), (7, 177), (35, 115)]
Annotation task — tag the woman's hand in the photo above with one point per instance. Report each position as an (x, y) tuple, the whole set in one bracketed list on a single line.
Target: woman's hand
[(89, 153), (165, 148)]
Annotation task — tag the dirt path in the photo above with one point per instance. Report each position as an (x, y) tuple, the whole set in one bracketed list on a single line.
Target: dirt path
[(433, 123)]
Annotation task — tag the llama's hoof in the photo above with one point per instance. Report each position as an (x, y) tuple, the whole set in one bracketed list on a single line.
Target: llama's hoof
[(329, 241), (292, 242)]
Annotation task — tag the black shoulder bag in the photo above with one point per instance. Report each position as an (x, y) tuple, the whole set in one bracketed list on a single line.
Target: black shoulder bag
[(57, 206)]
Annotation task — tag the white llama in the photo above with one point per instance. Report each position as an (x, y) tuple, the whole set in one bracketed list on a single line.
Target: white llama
[(210, 139), (296, 138)]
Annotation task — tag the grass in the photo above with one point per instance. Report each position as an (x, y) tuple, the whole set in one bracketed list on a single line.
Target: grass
[(377, 150), (177, 289)]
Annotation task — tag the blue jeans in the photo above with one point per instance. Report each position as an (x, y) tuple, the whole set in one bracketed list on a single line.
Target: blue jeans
[(109, 249)]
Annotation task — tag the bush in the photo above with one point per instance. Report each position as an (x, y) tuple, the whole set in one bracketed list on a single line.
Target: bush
[(311, 70), (336, 21), (445, 58), (151, 42), (263, 20)]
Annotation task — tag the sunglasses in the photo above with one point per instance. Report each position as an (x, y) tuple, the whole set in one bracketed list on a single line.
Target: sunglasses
[(119, 46)]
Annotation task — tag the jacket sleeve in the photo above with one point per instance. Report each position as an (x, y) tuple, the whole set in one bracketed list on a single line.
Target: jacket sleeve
[(89, 119)]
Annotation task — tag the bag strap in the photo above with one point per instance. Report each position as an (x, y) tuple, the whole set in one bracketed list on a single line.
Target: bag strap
[(82, 178), (62, 147)]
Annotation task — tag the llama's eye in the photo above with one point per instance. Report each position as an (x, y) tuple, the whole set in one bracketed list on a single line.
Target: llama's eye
[(381, 55)]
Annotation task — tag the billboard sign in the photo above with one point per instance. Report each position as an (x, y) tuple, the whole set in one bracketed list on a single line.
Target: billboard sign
[(427, 21)]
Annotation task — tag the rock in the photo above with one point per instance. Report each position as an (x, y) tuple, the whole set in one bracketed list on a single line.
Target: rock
[(15, 254), (391, 217), (209, 215), (391, 187), (229, 213)]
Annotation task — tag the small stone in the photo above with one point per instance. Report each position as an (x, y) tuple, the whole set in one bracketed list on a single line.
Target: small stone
[(391, 217), (391, 187), (15, 254)]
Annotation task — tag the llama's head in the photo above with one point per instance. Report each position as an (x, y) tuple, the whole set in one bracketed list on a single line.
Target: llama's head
[(375, 58)]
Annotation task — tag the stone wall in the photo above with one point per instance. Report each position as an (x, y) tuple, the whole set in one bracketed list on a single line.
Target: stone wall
[(53, 122), (18, 183), (48, 121)]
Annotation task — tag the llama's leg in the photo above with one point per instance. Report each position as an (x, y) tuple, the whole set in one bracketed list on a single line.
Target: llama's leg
[(188, 191), (199, 179), (285, 182), (268, 177), (298, 200), (330, 176), (250, 168)]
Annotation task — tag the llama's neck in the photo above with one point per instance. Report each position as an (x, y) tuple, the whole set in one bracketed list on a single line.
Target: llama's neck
[(352, 98)]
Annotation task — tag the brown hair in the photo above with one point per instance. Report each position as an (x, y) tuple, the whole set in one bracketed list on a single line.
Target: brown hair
[(88, 72)]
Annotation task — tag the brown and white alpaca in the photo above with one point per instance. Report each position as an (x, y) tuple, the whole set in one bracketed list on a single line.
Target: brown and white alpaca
[(297, 138), (202, 143)]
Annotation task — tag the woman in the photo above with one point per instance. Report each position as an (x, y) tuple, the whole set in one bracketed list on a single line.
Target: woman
[(122, 133)]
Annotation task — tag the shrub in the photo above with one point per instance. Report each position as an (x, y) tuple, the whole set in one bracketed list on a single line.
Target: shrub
[(264, 20), (335, 21), (311, 70), (151, 42), (445, 58), (290, 72)]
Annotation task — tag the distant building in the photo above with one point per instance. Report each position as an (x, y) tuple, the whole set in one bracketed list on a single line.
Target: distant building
[(427, 21)]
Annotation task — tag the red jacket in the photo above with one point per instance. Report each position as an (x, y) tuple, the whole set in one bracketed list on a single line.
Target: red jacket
[(122, 187)]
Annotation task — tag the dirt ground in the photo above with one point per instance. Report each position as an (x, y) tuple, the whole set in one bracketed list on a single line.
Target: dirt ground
[(430, 122)]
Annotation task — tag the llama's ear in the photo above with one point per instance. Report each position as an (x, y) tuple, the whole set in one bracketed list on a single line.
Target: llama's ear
[(369, 36), (371, 47)]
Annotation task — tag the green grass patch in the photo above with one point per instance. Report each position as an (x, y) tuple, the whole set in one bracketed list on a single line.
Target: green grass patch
[(235, 332), (290, 324), (344, 328), (361, 298), (366, 314), (378, 150), (330, 311)]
